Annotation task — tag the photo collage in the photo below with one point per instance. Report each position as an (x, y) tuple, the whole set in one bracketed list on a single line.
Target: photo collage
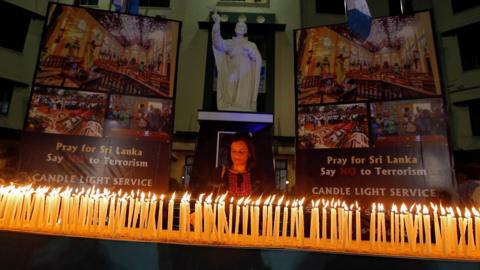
[(103, 74), (381, 91)]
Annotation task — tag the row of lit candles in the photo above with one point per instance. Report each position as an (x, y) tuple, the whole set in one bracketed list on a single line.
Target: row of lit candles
[(270, 222)]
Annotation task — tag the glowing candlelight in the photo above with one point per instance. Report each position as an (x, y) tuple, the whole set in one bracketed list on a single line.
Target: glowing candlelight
[(171, 204), (393, 226), (160, 216), (477, 228), (403, 210), (314, 221), (256, 218), (428, 232), (301, 225), (198, 217), (270, 218), (324, 219), (208, 219), (293, 219), (445, 237), (230, 218), (372, 225), (237, 217), (285, 220), (245, 217), (333, 223), (264, 216), (436, 227), (276, 223), (358, 224), (469, 224), (151, 216), (462, 226)]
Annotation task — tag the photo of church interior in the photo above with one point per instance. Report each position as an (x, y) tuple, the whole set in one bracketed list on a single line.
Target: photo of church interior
[(69, 112), (333, 126), (96, 50), (397, 60), (139, 117), (407, 121)]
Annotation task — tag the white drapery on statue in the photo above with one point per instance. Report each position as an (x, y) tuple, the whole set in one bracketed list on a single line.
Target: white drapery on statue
[(238, 64)]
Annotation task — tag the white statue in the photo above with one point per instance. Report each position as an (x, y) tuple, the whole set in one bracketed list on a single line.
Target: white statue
[(238, 64)]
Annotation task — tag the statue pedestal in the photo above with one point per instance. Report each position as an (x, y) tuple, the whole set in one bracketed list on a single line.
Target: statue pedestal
[(212, 145)]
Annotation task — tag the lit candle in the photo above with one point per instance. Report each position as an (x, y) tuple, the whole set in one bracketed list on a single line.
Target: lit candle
[(462, 227), (372, 225), (403, 210), (123, 213), (469, 224), (160, 216), (183, 221), (171, 203), (392, 225), (333, 223), (436, 227), (230, 218), (358, 224), (237, 217), (445, 237), (324, 219), (264, 216), (314, 220), (276, 223), (293, 219), (221, 218), (350, 225), (382, 226), (256, 219), (151, 216), (453, 228), (410, 230), (270, 219), (208, 219), (245, 218), (301, 224), (285, 220), (428, 233), (198, 217), (477, 228)]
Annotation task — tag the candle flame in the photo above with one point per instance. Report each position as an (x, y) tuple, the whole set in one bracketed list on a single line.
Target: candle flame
[(419, 208), (300, 203), (325, 205), (459, 212), (266, 201), (425, 210), (279, 202), (434, 207), (374, 206), (450, 211), (209, 198), (240, 201), (476, 213), (380, 207), (272, 199), (394, 208), (162, 196), (403, 208), (154, 197), (442, 210), (247, 201), (467, 213), (287, 203), (200, 198), (411, 208), (184, 197), (231, 200), (173, 196)]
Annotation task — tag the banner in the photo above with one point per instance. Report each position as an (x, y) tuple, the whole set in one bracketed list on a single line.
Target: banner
[(371, 120), (101, 109)]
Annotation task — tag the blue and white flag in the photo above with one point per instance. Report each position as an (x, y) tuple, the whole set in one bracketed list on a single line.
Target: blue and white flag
[(359, 18)]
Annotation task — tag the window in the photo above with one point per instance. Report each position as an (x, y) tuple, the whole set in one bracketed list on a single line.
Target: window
[(89, 2), (396, 7), (468, 46), (155, 3), (281, 174), (6, 91), (461, 5), (13, 37), (187, 170), (474, 110), (330, 7)]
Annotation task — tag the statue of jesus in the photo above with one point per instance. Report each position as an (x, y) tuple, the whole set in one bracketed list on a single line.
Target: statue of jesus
[(238, 64)]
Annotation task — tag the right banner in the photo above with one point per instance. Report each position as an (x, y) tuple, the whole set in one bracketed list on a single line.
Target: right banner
[(371, 118)]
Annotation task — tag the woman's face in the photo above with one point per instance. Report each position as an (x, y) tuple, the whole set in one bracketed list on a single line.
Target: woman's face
[(239, 153)]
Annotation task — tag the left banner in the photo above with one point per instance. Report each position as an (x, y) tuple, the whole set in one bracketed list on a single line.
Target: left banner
[(101, 109)]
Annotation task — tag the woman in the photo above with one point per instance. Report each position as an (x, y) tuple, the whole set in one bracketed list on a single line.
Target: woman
[(238, 176)]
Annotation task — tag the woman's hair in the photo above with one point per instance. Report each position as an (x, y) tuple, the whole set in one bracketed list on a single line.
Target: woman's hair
[(247, 139)]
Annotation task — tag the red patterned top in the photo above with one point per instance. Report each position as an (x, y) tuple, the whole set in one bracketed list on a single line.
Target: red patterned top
[(239, 184)]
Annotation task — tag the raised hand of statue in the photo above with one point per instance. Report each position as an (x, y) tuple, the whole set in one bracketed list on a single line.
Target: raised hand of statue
[(216, 17)]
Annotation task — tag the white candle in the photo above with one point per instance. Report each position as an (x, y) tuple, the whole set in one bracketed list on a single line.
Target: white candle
[(314, 219), (230, 218), (270, 219), (350, 225), (254, 228), (436, 227), (237, 217), (477, 228), (245, 218), (333, 223), (264, 216), (403, 210), (372, 225), (276, 223), (198, 217), (293, 219), (285, 220), (428, 232), (462, 227), (469, 224), (301, 224), (444, 229), (208, 218), (151, 216), (393, 226), (171, 204), (160, 216), (358, 223)]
